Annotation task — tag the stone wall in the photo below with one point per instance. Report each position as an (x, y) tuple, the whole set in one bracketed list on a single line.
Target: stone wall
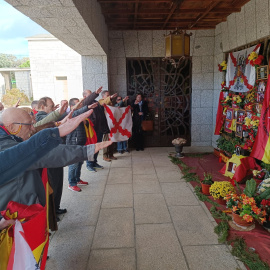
[(249, 25), (95, 72), (123, 44), (23, 82)]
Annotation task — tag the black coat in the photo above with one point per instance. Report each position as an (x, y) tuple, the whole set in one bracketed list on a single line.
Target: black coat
[(136, 118), (77, 136), (98, 117)]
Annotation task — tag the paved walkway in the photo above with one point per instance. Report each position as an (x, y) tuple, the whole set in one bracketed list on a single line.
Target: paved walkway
[(136, 213)]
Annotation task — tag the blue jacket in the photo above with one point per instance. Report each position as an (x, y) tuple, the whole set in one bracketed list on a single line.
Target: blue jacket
[(15, 160)]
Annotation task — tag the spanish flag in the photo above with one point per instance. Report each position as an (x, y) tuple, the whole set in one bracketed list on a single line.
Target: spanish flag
[(35, 230), (220, 117), (261, 148)]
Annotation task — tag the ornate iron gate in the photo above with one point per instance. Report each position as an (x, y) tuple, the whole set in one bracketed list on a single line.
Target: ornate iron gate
[(168, 91)]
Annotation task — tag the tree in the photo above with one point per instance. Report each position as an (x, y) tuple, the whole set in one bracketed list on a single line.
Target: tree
[(25, 64), (12, 96), (7, 60), (11, 61)]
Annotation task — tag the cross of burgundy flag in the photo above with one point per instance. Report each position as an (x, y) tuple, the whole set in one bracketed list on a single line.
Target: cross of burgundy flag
[(120, 122), (240, 75)]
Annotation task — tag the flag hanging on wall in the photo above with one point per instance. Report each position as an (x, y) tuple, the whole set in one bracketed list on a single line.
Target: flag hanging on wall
[(261, 148), (119, 122), (241, 75)]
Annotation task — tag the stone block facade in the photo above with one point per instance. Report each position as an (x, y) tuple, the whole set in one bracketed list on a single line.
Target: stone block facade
[(23, 82)]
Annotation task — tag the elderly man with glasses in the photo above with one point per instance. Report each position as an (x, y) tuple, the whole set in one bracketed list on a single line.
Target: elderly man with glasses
[(27, 188)]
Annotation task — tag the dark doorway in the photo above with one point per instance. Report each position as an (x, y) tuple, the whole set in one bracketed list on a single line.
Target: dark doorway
[(168, 92)]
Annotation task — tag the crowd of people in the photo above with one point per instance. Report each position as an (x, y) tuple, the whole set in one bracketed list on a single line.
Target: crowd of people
[(52, 136)]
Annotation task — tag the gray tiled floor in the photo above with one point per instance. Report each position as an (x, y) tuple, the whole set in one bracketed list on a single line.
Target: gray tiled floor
[(137, 214)]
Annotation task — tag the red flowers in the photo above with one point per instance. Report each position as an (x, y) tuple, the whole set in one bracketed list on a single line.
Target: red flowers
[(257, 61)]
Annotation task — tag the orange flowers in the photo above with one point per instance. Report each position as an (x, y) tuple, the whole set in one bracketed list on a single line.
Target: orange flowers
[(245, 207), (248, 218)]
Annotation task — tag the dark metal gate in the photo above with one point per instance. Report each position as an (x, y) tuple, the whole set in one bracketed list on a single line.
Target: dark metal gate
[(168, 91)]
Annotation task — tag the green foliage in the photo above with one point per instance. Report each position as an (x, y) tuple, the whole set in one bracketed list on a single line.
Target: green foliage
[(263, 196), (11, 61), (225, 145), (265, 166), (25, 64), (12, 96), (218, 214), (251, 259), (207, 178), (250, 188), (191, 177), (203, 197), (222, 230)]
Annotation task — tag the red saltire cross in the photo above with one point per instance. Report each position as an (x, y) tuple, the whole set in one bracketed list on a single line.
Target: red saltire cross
[(234, 61), (116, 124)]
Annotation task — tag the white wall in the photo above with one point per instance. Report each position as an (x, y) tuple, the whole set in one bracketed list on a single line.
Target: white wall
[(53, 58)]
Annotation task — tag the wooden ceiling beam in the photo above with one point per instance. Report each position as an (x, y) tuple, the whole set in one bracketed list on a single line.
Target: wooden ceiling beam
[(176, 4), (210, 7), (123, 11), (187, 22), (136, 13)]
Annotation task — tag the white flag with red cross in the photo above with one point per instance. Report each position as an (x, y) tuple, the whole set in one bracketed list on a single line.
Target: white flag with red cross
[(120, 122)]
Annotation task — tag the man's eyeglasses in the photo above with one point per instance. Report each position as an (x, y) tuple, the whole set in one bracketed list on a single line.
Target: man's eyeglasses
[(119, 99), (24, 124)]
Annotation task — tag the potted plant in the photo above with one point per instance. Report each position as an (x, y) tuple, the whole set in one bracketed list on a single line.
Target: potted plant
[(206, 183), (248, 206), (178, 144), (220, 189)]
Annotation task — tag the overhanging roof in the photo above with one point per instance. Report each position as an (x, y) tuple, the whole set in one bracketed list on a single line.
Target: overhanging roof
[(167, 14)]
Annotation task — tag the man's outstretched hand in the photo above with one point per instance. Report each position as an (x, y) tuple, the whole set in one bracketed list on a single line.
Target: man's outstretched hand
[(102, 145), (6, 222), (70, 124)]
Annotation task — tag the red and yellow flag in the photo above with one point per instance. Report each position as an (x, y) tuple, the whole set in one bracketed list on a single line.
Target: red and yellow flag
[(261, 148), (34, 220), (91, 136)]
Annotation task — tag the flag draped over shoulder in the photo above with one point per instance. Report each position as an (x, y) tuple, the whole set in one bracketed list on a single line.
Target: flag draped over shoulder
[(120, 122), (220, 117), (35, 231), (240, 75), (261, 148)]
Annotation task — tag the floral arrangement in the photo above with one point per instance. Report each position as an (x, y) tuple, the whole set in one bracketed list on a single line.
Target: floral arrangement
[(265, 205), (221, 188), (222, 66), (227, 101), (239, 100), (251, 96), (245, 207), (251, 127), (255, 60), (179, 141)]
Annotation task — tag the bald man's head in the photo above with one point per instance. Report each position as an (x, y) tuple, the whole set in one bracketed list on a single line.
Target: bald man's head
[(18, 122), (86, 93)]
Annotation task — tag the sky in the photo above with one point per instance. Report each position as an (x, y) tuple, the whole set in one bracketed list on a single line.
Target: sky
[(14, 28)]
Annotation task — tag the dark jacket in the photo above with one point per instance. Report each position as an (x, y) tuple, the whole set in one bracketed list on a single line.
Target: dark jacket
[(136, 118), (28, 188), (98, 117), (77, 136), (40, 115)]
